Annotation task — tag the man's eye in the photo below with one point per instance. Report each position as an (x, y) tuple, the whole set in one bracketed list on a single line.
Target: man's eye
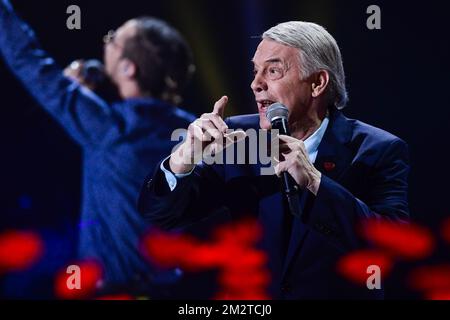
[(255, 72), (274, 70)]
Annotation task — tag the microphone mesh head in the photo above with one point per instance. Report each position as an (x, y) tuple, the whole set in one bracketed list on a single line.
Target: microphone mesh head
[(277, 110)]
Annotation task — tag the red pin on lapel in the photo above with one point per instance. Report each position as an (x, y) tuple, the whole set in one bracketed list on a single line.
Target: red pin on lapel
[(328, 166)]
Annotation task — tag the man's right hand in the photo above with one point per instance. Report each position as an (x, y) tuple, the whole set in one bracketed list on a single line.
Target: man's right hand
[(205, 132)]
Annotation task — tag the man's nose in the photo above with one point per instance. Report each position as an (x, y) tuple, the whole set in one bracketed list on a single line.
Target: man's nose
[(258, 84)]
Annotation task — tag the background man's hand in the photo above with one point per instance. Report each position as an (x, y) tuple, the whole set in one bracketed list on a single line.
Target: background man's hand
[(296, 162), (74, 71)]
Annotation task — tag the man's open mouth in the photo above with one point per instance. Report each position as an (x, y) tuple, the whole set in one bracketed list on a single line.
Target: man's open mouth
[(264, 104)]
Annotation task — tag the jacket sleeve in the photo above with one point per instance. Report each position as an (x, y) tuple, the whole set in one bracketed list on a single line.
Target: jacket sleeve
[(195, 197), (335, 210), (84, 115)]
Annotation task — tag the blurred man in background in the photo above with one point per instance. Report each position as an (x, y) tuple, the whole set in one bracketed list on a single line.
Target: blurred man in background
[(150, 64)]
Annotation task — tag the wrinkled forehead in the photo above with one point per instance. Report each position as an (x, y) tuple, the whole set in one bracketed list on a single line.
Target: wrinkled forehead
[(270, 51)]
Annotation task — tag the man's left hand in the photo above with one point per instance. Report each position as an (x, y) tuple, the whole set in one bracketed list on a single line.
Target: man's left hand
[(296, 163)]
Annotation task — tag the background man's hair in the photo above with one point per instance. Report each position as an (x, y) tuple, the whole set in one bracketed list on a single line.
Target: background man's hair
[(318, 51), (162, 57)]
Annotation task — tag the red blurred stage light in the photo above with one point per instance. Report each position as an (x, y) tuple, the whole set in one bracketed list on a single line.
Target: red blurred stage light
[(435, 278), (406, 240), (90, 276), (19, 250), (354, 266), (242, 273)]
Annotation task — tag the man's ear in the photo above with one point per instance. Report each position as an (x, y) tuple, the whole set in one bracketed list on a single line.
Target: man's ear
[(127, 68), (319, 83)]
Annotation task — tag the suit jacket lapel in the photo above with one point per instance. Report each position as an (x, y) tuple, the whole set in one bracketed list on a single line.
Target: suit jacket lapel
[(333, 156), (332, 160), (298, 234)]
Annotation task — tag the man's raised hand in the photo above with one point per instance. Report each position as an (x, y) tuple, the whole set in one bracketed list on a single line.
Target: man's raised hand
[(206, 132)]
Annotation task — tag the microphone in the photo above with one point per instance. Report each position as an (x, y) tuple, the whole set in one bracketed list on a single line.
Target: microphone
[(94, 76), (278, 114), (93, 72)]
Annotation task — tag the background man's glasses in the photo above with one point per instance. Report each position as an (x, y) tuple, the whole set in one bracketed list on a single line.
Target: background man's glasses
[(109, 38)]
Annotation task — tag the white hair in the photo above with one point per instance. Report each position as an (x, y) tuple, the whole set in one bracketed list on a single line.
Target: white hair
[(318, 51)]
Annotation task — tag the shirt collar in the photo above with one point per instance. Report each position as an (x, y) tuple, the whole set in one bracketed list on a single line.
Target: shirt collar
[(313, 141)]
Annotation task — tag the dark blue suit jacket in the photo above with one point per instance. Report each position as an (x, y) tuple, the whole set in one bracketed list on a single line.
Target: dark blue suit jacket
[(369, 179), (119, 142)]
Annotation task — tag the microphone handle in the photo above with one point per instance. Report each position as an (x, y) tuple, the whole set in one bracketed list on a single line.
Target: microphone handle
[(290, 188)]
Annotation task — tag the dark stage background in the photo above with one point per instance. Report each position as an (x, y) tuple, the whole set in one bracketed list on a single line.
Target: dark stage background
[(397, 77)]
